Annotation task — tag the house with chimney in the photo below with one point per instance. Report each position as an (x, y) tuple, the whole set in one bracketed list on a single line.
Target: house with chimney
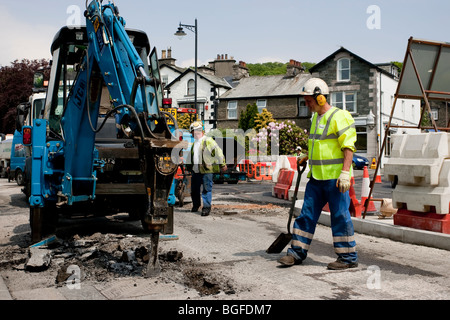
[(279, 94), (367, 91), (213, 81)]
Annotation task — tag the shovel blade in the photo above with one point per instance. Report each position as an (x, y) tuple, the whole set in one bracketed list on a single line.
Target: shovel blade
[(280, 243)]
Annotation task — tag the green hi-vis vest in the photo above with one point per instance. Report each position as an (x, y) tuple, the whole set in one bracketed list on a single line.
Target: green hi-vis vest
[(211, 156), (328, 138)]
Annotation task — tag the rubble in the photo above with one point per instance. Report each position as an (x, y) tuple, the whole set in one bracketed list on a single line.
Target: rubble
[(39, 259), (104, 257)]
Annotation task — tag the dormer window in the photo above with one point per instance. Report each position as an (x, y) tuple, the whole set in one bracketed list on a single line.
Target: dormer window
[(343, 69)]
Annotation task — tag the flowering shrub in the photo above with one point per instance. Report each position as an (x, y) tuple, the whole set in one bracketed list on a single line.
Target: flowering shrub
[(281, 138)]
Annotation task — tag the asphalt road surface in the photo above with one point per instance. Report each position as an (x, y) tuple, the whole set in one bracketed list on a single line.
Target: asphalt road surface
[(218, 257)]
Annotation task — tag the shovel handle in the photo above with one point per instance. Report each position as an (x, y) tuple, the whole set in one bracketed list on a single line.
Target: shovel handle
[(301, 162)]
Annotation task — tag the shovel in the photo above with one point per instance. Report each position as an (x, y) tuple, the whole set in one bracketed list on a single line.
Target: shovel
[(284, 238)]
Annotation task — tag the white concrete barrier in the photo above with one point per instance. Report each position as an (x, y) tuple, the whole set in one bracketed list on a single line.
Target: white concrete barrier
[(423, 170), (416, 159)]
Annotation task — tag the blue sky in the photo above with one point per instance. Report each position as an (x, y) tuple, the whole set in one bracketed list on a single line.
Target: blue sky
[(249, 30)]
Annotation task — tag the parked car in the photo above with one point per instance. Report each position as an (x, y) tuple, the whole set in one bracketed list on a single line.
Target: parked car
[(359, 162)]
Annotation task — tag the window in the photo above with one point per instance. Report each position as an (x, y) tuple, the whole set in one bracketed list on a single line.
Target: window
[(165, 79), (191, 88), (343, 69), (344, 100), (435, 114), (232, 109), (302, 108), (261, 104), (361, 138)]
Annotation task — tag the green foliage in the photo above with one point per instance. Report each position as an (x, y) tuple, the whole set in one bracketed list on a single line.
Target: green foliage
[(308, 65), (266, 69), (272, 68), (263, 119), (185, 120), (398, 64), (247, 117), (287, 134)]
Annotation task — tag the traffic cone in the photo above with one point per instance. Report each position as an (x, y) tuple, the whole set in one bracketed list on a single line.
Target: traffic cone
[(365, 191), (355, 208), (378, 178)]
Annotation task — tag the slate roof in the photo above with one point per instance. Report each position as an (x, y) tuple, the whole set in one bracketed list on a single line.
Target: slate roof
[(210, 78), (267, 86), (342, 49)]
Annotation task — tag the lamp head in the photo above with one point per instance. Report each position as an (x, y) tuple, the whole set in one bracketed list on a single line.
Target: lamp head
[(180, 33)]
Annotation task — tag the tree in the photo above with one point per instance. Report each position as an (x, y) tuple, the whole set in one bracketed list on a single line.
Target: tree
[(263, 119), (273, 68), (247, 117), (184, 121), (16, 83), (287, 136)]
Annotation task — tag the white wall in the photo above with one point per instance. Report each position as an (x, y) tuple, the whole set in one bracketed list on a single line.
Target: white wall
[(178, 93), (406, 113)]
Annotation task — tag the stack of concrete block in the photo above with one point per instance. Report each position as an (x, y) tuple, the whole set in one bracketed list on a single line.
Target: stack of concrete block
[(423, 170)]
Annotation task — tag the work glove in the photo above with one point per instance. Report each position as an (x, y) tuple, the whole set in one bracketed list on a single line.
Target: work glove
[(343, 182)]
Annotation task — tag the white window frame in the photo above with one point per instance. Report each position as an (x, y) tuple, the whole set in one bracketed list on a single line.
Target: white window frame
[(435, 114), (232, 109), (191, 87), (303, 110), (345, 105), (261, 104), (165, 79), (340, 69)]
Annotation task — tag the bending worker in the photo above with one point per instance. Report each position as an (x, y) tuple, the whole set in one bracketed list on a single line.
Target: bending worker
[(205, 158), (330, 151)]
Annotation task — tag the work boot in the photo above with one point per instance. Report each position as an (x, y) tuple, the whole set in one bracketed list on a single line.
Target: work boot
[(206, 211), (341, 265), (194, 209), (289, 261)]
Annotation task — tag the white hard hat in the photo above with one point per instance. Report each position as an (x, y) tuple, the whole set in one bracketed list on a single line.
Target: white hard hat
[(197, 125), (314, 86)]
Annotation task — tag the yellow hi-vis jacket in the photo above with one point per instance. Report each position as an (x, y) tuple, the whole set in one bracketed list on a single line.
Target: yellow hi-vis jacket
[(328, 138)]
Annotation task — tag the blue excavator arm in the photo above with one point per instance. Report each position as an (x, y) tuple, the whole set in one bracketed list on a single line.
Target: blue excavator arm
[(65, 166)]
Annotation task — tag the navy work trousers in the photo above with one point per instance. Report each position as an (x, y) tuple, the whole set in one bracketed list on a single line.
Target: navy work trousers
[(198, 180), (317, 194)]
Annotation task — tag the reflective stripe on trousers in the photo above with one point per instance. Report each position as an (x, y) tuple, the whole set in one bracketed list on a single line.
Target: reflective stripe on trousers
[(317, 194)]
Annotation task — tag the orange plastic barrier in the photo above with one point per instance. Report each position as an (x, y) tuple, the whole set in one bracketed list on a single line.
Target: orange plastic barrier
[(281, 189), (293, 162), (248, 167), (264, 170)]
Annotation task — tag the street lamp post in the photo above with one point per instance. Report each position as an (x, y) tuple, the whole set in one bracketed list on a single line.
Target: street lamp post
[(180, 34)]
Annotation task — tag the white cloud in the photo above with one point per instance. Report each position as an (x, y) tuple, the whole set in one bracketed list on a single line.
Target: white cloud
[(191, 62), (21, 40), (270, 59)]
